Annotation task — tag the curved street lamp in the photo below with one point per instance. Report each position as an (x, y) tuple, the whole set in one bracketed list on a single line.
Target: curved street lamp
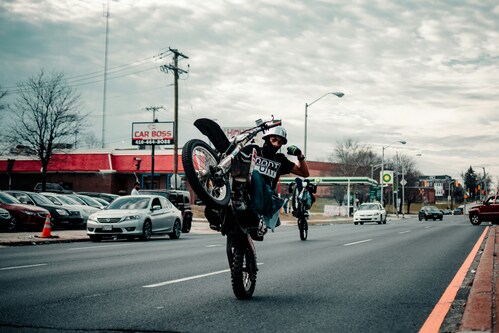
[(338, 94)]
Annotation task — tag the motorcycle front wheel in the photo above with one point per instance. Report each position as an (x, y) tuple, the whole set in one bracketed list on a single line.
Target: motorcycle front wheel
[(199, 159), (243, 267), (303, 226)]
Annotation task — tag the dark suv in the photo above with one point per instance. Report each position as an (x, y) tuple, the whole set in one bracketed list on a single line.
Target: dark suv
[(181, 200), (486, 212)]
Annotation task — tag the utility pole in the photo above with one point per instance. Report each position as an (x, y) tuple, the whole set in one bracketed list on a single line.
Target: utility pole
[(153, 109), (174, 68), (103, 142)]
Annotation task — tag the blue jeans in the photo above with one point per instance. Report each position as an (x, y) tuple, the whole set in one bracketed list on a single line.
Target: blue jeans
[(265, 201)]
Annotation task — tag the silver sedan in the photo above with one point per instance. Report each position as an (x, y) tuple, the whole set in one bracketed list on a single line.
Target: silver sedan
[(136, 216)]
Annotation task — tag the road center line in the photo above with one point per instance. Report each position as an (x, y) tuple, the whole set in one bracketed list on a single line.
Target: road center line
[(354, 243), (184, 279), (25, 266), (97, 247), (404, 232), (160, 284)]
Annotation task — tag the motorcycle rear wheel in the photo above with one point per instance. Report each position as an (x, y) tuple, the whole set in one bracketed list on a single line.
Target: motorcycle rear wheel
[(197, 158), (243, 267)]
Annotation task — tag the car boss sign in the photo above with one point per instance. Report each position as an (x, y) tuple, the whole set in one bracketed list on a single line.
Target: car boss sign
[(160, 133)]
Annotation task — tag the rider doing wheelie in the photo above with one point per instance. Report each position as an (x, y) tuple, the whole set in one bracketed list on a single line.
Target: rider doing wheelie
[(269, 166)]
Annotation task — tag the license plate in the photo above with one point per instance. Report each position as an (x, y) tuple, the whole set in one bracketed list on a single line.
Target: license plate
[(107, 227)]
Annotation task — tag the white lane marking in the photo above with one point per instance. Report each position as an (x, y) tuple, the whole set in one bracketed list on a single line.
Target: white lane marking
[(359, 242), (429, 226), (25, 266), (214, 245), (184, 279), (97, 247), (160, 284), (404, 232)]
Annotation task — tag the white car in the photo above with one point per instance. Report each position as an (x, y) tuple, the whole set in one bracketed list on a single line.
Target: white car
[(65, 201), (133, 216), (370, 212)]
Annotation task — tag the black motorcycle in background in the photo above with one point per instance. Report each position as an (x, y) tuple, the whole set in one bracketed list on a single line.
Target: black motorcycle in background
[(302, 200)]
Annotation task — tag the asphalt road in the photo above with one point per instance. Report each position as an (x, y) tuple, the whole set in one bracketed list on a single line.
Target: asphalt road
[(344, 278)]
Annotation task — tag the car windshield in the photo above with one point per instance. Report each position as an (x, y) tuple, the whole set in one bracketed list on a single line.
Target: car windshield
[(79, 200), (40, 199), (89, 201), (67, 200), (432, 209), (129, 203), (369, 207), (8, 199)]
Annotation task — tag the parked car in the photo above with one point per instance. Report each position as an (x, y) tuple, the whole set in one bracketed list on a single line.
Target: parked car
[(86, 200), (430, 212), (5, 219), (59, 216), (370, 212), (67, 202), (181, 200), (52, 187), (22, 215), (106, 196), (446, 211), (488, 211), (136, 216), (458, 210)]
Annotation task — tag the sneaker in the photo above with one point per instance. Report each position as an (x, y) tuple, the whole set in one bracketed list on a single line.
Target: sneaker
[(254, 235), (262, 228)]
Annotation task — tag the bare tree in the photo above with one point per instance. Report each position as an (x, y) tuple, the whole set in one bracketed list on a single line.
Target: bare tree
[(354, 159), (3, 93), (46, 114), (91, 140)]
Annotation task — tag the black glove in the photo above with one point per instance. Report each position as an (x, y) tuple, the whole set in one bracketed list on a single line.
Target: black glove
[(294, 150)]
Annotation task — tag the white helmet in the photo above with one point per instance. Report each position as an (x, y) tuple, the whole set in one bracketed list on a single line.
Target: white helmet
[(276, 131)]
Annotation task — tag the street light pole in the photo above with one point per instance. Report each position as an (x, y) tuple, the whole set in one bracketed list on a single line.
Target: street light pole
[(383, 168), (338, 94)]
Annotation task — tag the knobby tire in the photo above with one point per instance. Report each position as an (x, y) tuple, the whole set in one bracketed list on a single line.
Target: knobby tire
[(197, 157), (243, 267)]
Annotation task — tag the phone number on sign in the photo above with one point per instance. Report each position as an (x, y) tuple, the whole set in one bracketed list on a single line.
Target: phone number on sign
[(153, 142)]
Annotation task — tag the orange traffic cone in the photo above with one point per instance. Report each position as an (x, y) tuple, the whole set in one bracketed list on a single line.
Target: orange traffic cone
[(46, 228)]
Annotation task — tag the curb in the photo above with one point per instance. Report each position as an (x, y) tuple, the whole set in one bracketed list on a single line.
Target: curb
[(480, 310)]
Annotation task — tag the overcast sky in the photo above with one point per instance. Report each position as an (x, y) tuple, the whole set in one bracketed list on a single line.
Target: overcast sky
[(426, 72)]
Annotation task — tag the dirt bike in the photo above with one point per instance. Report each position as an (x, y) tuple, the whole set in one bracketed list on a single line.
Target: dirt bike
[(301, 201), (220, 177)]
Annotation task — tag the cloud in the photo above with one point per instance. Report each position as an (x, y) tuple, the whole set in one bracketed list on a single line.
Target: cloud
[(424, 71)]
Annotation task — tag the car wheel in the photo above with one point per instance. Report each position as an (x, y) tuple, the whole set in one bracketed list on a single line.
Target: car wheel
[(94, 238), (420, 218), (384, 221), (361, 223), (356, 223), (147, 230), (175, 234), (186, 227), (441, 218), (12, 225), (475, 219)]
